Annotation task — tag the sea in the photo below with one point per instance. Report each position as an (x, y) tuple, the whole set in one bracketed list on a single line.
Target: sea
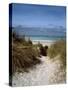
[(41, 37), (44, 34)]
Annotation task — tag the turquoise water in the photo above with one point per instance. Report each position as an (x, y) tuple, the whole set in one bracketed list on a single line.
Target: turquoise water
[(46, 37), (45, 34)]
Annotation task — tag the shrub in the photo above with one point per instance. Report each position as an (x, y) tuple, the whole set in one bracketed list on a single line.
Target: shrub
[(43, 50)]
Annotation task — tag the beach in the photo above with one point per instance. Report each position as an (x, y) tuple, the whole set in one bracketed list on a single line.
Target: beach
[(38, 45), (43, 42), (46, 73)]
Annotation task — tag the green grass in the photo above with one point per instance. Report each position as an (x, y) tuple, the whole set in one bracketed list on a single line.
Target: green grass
[(58, 48)]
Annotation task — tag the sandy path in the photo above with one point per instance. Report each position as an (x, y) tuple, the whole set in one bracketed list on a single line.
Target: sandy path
[(45, 73)]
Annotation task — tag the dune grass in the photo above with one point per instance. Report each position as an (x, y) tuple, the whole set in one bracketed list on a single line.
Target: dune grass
[(24, 54), (58, 48)]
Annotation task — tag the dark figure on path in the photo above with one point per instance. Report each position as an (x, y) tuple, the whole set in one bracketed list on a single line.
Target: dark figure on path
[(43, 50), (46, 48)]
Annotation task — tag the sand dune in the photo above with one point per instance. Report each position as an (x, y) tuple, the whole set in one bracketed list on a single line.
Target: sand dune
[(44, 74)]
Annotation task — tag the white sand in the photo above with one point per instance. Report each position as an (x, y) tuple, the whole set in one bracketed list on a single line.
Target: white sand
[(46, 73), (43, 42)]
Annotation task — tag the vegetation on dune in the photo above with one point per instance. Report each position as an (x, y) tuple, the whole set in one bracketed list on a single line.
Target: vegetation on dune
[(58, 48), (24, 54)]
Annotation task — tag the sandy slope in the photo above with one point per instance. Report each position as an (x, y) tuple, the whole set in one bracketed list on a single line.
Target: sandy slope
[(47, 72)]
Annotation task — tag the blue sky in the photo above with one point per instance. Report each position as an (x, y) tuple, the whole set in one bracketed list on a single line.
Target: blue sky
[(38, 15)]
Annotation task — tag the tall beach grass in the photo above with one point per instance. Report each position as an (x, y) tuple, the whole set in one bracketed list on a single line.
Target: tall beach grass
[(58, 49), (24, 54)]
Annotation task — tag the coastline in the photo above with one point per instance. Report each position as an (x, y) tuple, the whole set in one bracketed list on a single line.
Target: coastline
[(43, 42)]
